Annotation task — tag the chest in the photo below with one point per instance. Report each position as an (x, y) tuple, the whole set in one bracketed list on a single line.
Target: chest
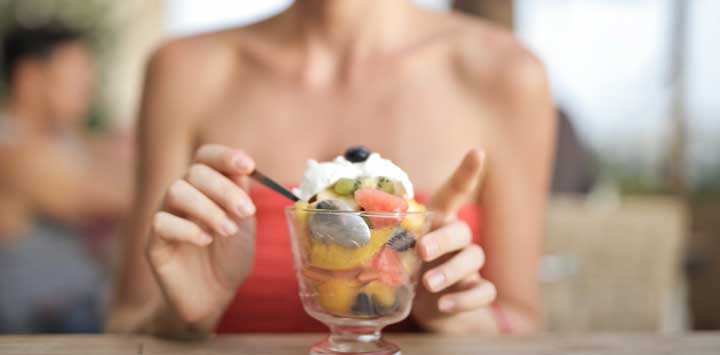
[(424, 123)]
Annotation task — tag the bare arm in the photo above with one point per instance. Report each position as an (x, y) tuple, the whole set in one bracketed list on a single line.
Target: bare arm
[(189, 244), (515, 194), (514, 176), (164, 151), (67, 187)]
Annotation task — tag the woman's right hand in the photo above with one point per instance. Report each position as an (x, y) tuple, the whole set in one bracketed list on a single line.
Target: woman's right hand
[(202, 239)]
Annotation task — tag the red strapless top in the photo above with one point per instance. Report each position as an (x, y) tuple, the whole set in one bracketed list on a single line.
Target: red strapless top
[(268, 300)]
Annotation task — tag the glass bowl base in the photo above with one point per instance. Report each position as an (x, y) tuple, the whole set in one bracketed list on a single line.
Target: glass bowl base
[(347, 341), (380, 347)]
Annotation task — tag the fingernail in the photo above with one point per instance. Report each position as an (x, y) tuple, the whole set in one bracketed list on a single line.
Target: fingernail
[(244, 209), (207, 239), (241, 163), (446, 305), (249, 207), (435, 281), (241, 210), (229, 227), (431, 249)]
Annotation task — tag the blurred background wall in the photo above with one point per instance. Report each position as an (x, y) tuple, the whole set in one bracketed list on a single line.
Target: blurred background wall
[(635, 82), (612, 73)]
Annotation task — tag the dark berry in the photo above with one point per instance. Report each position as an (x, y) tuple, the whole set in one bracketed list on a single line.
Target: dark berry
[(328, 204), (402, 240), (357, 154), (381, 311), (363, 305)]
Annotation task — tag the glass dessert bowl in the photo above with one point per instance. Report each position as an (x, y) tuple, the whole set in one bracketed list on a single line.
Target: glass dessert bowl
[(355, 281), (353, 238)]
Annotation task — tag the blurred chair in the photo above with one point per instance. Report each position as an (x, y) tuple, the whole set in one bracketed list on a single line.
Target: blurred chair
[(575, 170), (614, 267), (703, 264)]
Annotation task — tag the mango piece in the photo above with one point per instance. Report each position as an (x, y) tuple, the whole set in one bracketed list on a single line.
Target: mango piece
[(415, 223), (301, 214), (337, 295), (335, 257), (381, 294)]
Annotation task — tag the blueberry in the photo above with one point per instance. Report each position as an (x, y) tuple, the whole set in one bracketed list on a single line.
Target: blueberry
[(363, 305), (382, 311), (357, 154), (334, 205), (401, 240)]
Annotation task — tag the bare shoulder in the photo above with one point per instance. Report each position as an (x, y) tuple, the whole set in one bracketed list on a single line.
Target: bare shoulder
[(193, 71), (210, 55), (200, 61), (20, 161), (491, 57)]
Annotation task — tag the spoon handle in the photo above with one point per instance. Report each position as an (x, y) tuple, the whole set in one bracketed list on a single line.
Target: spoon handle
[(261, 178)]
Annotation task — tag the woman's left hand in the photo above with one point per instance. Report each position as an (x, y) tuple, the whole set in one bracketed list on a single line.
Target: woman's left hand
[(451, 275)]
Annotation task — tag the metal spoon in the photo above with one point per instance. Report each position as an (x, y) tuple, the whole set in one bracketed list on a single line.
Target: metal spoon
[(348, 230), (261, 178)]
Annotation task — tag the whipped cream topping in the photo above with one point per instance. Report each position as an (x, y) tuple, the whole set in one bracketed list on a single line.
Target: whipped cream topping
[(319, 176)]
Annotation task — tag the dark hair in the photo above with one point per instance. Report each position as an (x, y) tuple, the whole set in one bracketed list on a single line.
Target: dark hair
[(38, 43)]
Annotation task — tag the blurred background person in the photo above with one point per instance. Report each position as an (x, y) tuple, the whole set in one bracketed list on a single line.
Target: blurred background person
[(54, 181)]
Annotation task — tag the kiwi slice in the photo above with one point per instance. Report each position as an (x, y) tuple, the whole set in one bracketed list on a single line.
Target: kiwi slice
[(386, 185), (344, 186)]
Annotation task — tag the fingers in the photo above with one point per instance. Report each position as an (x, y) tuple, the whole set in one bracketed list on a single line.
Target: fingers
[(465, 263), (185, 199), (454, 192), (468, 282), (225, 160), (450, 238), (199, 202), (171, 228), (482, 294), (220, 190)]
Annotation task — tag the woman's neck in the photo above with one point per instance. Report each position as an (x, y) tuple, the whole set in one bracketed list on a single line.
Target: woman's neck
[(340, 35), (345, 23)]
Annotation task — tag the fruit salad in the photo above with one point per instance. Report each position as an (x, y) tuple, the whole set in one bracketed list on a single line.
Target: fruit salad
[(355, 228)]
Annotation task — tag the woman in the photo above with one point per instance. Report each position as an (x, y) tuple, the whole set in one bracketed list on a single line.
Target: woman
[(422, 88)]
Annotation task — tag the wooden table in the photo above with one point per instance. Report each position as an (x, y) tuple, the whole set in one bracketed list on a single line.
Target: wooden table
[(297, 344)]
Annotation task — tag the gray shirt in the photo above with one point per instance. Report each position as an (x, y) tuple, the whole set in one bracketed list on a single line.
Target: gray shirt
[(48, 283)]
